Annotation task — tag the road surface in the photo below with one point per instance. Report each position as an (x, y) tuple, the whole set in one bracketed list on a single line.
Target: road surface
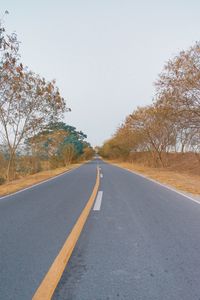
[(33, 227), (143, 244), (142, 241)]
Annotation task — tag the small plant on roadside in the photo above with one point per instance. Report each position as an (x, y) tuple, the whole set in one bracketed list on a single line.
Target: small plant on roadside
[(2, 180)]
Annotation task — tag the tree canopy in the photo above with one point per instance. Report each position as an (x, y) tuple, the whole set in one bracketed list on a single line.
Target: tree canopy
[(172, 122)]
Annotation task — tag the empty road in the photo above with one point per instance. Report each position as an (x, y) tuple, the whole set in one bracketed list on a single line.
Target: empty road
[(141, 240), (143, 244), (33, 227)]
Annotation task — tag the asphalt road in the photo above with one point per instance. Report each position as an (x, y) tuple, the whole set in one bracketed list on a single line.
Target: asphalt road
[(34, 225), (143, 243)]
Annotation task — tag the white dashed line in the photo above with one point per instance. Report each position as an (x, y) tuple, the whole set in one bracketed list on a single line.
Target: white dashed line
[(97, 205)]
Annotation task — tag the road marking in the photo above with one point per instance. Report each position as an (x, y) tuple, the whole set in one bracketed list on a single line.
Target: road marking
[(161, 184), (97, 205), (51, 279), (101, 175)]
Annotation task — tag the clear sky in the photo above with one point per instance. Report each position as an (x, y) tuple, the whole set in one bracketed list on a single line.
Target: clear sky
[(104, 54)]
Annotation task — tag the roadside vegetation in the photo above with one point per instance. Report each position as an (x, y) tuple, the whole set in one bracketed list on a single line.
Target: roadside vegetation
[(33, 137), (165, 135)]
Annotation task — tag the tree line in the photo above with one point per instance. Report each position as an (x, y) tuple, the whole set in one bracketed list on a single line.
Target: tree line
[(31, 108), (171, 123)]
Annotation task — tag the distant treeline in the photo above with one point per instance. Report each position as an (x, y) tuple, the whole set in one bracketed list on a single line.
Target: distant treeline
[(171, 123), (30, 112)]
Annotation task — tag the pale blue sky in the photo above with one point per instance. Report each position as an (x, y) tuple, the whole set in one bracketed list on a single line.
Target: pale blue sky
[(105, 55)]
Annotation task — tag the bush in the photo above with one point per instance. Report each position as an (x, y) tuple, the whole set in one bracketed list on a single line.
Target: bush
[(54, 162), (2, 180)]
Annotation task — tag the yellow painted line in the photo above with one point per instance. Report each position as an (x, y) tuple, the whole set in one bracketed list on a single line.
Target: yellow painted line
[(48, 285)]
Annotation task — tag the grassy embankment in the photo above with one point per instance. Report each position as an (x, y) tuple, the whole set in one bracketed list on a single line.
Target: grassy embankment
[(183, 172), (16, 185)]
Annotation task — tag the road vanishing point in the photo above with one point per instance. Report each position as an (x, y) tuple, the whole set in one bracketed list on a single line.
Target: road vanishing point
[(131, 239)]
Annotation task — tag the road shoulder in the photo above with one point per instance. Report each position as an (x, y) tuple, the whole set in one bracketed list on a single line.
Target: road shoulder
[(31, 180), (186, 184)]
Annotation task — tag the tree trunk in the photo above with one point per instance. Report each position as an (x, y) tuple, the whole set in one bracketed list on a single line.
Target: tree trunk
[(160, 158), (10, 166)]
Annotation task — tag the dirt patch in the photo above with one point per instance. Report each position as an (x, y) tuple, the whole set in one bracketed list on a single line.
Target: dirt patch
[(188, 163)]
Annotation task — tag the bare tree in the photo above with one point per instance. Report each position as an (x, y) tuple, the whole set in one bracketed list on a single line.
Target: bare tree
[(178, 87), (158, 133), (27, 102)]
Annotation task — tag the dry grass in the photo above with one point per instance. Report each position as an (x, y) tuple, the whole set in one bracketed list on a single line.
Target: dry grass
[(30, 180), (182, 181)]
